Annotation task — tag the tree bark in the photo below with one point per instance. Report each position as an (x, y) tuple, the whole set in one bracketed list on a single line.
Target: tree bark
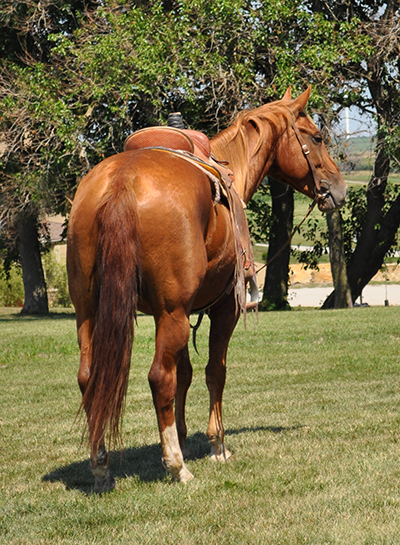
[(370, 263), (378, 232), (276, 279), (32, 270), (341, 296), (368, 257)]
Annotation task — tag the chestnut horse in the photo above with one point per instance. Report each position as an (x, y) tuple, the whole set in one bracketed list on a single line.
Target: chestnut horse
[(145, 234)]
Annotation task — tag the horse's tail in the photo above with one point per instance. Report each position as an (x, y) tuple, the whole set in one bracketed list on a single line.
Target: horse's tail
[(115, 282)]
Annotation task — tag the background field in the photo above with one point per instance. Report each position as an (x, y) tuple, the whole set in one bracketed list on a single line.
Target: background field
[(355, 178), (311, 415)]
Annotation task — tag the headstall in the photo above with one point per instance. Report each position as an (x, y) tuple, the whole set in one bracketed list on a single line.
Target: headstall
[(322, 190), (322, 187)]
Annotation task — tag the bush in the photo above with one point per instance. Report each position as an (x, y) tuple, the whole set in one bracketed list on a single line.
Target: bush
[(11, 287), (56, 280), (55, 272)]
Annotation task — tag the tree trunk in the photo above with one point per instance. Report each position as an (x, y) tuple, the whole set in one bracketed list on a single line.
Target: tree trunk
[(378, 232), (368, 256), (341, 296), (360, 273), (276, 280), (32, 269)]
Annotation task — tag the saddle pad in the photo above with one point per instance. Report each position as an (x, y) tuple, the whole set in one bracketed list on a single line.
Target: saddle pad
[(163, 137)]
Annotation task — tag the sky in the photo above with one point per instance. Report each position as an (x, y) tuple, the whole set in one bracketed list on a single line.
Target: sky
[(358, 125)]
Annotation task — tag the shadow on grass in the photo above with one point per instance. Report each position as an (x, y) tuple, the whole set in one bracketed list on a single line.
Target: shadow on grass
[(273, 429), (143, 462)]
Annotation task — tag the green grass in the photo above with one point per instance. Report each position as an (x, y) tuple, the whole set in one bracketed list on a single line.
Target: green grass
[(357, 177), (311, 412)]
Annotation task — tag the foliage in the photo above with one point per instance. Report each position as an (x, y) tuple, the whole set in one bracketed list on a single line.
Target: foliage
[(77, 77), (258, 213), (11, 286), (112, 67), (318, 247), (56, 281), (353, 218)]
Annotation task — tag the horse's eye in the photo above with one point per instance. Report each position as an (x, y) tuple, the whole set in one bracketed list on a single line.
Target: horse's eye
[(317, 138), (302, 114)]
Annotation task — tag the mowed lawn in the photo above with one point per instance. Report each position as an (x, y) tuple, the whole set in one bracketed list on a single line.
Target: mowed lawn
[(311, 411)]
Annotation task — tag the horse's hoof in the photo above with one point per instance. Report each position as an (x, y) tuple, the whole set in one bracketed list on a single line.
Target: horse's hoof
[(186, 476), (182, 476), (220, 454), (104, 485)]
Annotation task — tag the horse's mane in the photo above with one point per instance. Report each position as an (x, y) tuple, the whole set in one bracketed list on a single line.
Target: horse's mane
[(233, 143), (274, 115)]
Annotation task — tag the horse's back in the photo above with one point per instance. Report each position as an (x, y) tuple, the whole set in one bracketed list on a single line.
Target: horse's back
[(164, 187)]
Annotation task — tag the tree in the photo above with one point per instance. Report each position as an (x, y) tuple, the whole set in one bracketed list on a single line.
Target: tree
[(275, 290), (379, 72), (78, 77), (307, 47), (31, 263), (31, 156), (342, 292)]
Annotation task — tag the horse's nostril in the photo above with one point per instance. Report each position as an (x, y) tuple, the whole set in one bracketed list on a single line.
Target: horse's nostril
[(325, 188)]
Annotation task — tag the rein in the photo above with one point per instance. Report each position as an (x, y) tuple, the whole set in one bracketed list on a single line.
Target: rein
[(310, 209), (321, 191)]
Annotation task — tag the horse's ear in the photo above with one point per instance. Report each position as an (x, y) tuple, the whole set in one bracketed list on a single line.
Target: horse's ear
[(300, 102), (288, 94)]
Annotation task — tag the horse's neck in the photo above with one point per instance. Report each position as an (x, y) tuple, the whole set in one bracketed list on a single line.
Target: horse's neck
[(249, 169)]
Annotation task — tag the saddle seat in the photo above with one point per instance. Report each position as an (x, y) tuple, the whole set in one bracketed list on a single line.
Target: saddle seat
[(194, 143)]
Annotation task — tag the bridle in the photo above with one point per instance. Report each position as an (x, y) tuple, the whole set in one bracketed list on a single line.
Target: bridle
[(321, 191), (322, 187)]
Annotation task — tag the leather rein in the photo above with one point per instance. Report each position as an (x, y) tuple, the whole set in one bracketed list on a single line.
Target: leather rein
[(322, 190)]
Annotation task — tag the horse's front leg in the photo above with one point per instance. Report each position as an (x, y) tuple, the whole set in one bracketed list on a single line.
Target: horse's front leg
[(184, 379), (223, 318), (171, 343)]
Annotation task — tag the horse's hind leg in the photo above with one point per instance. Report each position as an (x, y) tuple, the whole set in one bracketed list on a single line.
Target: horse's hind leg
[(99, 462), (171, 343), (184, 379), (223, 318)]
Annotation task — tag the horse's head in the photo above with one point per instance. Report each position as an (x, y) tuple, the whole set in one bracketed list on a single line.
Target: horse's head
[(301, 159)]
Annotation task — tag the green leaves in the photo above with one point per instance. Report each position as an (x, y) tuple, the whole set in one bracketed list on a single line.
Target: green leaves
[(91, 74)]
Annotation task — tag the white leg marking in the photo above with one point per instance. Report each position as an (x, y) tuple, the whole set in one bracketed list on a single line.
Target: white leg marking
[(173, 459)]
